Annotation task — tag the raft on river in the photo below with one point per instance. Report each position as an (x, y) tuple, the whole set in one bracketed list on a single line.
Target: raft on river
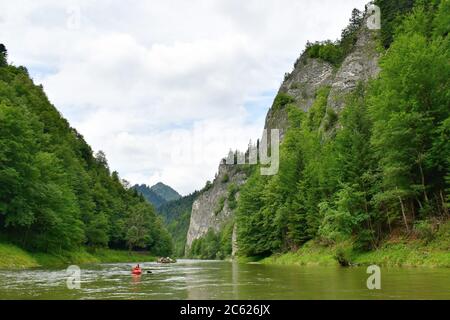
[(166, 260)]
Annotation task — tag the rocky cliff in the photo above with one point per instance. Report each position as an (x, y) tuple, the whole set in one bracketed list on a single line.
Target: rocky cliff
[(212, 209), (311, 74), (360, 65), (302, 84)]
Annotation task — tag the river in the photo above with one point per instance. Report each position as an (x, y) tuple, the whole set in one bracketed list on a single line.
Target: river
[(195, 279)]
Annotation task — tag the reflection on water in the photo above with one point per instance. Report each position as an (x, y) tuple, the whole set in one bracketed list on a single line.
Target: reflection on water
[(136, 281), (194, 279)]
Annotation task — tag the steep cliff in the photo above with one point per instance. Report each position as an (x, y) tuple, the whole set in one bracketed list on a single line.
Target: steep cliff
[(360, 65), (214, 206), (308, 76), (301, 87), (311, 74)]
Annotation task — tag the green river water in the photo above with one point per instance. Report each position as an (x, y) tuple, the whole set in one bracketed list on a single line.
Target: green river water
[(195, 279)]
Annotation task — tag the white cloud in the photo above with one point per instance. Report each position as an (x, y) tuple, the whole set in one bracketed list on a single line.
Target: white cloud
[(151, 82)]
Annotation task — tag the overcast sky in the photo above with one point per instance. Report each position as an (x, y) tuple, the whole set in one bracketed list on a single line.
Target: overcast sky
[(165, 87)]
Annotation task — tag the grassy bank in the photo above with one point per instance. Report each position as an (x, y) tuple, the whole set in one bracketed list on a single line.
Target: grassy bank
[(393, 252), (309, 254), (13, 257), (111, 256)]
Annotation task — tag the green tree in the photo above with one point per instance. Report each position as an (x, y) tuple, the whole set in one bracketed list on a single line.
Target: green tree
[(409, 104), (97, 231), (138, 226), (55, 195), (3, 55)]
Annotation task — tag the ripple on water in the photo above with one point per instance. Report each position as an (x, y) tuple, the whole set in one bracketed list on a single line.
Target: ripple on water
[(208, 280)]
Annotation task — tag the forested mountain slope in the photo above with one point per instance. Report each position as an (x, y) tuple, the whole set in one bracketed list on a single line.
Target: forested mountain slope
[(158, 194), (55, 195), (166, 192), (365, 153), (176, 215), (375, 166)]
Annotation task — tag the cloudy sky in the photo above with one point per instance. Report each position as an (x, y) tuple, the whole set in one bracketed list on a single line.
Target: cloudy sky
[(165, 87)]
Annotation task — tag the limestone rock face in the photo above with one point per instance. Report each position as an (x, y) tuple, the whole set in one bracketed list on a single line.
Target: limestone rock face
[(302, 84), (360, 65), (309, 75), (204, 215)]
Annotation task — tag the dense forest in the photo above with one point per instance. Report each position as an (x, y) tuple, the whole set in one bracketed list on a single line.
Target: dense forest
[(213, 245), (166, 192), (176, 216), (148, 194), (55, 194), (379, 166)]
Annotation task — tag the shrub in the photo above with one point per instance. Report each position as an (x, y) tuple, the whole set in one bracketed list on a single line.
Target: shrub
[(424, 230), (281, 100), (213, 245), (207, 186), (3, 55), (331, 118), (232, 190), (225, 178), (342, 257), (327, 51), (220, 205)]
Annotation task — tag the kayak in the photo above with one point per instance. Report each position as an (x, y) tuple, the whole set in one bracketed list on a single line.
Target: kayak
[(136, 271)]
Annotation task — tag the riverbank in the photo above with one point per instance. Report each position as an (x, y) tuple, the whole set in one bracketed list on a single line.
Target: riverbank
[(12, 256), (399, 252)]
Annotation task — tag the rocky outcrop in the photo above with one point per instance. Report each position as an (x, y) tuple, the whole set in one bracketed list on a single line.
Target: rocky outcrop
[(360, 65), (211, 210), (302, 84), (309, 75)]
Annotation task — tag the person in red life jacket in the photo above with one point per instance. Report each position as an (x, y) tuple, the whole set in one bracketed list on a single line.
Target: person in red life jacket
[(137, 270)]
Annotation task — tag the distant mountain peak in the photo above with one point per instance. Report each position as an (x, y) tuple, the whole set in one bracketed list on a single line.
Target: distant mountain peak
[(166, 192), (157, 194)]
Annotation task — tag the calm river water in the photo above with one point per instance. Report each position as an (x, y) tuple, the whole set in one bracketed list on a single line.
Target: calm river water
[(194, 279)]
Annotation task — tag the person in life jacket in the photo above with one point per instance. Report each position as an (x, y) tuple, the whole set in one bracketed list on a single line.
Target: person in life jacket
[(137, 269)]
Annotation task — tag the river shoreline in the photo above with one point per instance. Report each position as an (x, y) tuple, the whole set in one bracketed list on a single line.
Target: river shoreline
[(400, 254), (394, 252), (391, 255), (13, 257)]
